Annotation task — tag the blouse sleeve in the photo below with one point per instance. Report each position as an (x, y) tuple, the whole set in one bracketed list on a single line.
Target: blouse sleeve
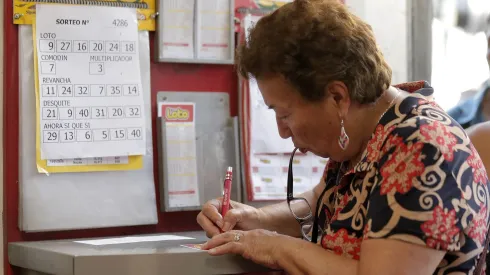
[(430, 188)]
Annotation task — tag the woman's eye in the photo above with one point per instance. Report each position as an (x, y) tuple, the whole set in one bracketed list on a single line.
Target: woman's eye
[(284, 117)]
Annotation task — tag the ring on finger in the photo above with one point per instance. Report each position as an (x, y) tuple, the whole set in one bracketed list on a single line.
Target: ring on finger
[(236, 237)]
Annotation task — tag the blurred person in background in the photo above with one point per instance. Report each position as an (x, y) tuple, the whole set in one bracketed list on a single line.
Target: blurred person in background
[(474, 106)]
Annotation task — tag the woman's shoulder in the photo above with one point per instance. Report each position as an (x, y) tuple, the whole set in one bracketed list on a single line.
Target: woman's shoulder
[(419, 126)]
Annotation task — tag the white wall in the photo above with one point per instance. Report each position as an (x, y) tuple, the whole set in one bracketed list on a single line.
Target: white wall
[(394, 48), (1, 136)]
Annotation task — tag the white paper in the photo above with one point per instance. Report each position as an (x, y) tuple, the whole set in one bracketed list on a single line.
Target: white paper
[(140, 239), (213, 29), (88, 161), (180, 154), (177, 29), (265, 136), (91, 102), (270, 174)]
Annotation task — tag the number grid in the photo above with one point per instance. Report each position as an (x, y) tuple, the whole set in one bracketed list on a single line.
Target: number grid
[(93, 90), (99, 112), (84, 46), (92, 135)]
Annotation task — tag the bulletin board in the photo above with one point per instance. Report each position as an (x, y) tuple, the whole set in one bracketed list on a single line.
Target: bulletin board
[(215, 140), (164, 77), (42, 207)]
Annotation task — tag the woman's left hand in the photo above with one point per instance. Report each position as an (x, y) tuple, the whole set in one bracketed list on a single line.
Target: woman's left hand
[(260, 246)]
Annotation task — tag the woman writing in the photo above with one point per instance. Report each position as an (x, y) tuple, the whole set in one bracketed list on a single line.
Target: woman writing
[(404, 191)]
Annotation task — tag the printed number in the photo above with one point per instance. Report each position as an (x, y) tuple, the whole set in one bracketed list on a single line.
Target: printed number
[(81, 46), (97, 90), (129, 47), (65, 45), (134, 111), (65, 113), (100, 68), (50, 90), (113, 47), (83, 112), (120, 22), (119, 134), (65, 90), (51, 45), (69, 136), (100, 135), (136, 133), (51, 66), (115, 90), (51, 113), (82, 90), (88, 135), (117, 112), (52, 136), (97, 47), (132, 90), (99, 112)]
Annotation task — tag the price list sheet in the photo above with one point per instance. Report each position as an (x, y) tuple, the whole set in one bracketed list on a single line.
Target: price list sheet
[(90, 101), (180, 154)]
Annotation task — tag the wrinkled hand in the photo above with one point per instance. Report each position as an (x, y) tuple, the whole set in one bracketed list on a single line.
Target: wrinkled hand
[(260, 246), (240, 216)]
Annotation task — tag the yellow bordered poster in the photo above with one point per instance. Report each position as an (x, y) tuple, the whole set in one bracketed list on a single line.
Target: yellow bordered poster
[(133, 162), (25, 10)]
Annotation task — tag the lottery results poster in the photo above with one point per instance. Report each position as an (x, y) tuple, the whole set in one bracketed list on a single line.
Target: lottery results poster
[(180, 160), (90, 108)]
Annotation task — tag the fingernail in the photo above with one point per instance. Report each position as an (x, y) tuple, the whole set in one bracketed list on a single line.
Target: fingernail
[(212, 251), (227, 226)]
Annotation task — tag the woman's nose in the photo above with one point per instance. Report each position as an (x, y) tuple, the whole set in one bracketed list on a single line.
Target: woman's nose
[(283, 129)]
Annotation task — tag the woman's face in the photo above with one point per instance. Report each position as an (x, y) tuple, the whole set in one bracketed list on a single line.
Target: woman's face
[(312, 126)]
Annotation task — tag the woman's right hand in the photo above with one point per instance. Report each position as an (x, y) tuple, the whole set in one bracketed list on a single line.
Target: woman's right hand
[(240, 216)]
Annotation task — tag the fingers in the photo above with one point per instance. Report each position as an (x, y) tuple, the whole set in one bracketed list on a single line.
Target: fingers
[(233, 217), (210, 219), (220, 239), (229, 242), (207, 225), (233, 247)]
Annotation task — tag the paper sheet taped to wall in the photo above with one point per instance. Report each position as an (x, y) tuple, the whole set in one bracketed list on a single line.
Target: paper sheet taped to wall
[(180, 153), (213, 29), (265, 136), (177, 29), (89, 86)]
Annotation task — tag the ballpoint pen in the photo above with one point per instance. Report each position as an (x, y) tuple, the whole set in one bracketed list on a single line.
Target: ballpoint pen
[(225, 205)]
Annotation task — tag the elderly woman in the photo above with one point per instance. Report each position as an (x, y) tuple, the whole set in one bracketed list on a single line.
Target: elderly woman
[(404, 191)]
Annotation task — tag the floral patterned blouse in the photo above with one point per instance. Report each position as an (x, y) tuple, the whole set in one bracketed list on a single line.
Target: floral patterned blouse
[(420, 180)]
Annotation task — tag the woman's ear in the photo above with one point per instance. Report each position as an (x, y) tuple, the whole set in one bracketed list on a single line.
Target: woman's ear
[(338, 94)]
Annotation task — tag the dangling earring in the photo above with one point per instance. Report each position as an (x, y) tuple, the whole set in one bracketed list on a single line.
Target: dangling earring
[(343, 138)]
